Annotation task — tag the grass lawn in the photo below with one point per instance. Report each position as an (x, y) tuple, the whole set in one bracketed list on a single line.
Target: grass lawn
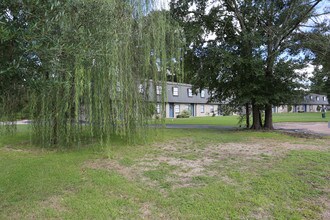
[(233, 120), (179, 174)]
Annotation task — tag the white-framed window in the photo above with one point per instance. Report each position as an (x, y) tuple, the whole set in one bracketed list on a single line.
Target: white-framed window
[(311, 97), (158, 90), (177, 108), (203, 93), (190, 93), (175, 91), (158, 108), (317, 98), (141, 89), (212, 109), (202, 108), (324, 98)]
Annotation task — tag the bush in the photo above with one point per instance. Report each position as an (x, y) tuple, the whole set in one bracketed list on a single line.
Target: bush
[(184, 114)]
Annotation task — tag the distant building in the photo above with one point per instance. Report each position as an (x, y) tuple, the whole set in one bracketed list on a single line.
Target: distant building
[(180, 97), (310, 103)]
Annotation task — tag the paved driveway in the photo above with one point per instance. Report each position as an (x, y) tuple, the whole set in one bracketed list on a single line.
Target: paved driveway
[(312, 127)]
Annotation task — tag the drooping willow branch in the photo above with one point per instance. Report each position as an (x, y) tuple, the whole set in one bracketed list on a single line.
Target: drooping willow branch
[(94, 56)]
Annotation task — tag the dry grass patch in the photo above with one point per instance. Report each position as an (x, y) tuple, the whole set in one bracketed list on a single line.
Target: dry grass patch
[(178, 162)]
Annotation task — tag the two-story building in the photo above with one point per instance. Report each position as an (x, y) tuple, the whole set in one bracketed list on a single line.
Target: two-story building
[(180, 97)]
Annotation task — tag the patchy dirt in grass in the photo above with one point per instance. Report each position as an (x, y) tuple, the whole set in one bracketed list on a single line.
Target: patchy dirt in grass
[(145, 211), (111, 165), (11, 149), (55, 203), (326, 203), (189, 160), (19, 149)]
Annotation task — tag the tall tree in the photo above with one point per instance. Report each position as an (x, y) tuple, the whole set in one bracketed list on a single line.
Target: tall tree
[(89, 58), (279, 21), (235, 46)]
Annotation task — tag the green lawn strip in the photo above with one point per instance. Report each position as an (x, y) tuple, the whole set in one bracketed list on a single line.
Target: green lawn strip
[(27, 178), (21, 136), (301, 117), (233, 119)]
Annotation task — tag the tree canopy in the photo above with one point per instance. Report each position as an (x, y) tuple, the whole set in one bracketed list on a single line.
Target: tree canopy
[(316, 45), (240, 49), (82, 60)]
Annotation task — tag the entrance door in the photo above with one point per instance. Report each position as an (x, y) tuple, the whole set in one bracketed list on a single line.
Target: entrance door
[(171, 110), (192, 109)]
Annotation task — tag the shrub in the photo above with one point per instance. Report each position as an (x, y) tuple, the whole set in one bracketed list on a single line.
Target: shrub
[(184, 114)]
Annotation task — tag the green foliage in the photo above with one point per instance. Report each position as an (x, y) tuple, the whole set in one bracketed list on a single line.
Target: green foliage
[(184, 114), (84, 62), (236, 49), (227, 110), (318, 42)]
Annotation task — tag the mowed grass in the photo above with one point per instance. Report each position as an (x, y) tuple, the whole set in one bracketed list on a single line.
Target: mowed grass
[(234, 119), (178, 174)]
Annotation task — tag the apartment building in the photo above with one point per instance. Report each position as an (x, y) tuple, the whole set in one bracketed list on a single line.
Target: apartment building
[(180, 97)]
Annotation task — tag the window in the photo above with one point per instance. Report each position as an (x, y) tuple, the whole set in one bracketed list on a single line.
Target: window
[(324, 98), (202, 94), (212, 109), (190, 94), (311, 97), (175, 91), (158, 108), (317, 98), (158, 90), (177, 108), (202, 108)]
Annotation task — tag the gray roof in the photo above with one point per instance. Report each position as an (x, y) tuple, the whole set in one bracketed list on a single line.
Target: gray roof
[(182, 96), (315, 99)]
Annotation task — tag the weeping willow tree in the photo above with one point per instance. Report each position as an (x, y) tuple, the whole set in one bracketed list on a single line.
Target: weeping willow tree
[(98, 62)]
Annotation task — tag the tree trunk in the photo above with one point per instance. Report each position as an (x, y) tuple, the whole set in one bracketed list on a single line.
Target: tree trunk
[(257, 124), (247, 114), (268, 117)]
